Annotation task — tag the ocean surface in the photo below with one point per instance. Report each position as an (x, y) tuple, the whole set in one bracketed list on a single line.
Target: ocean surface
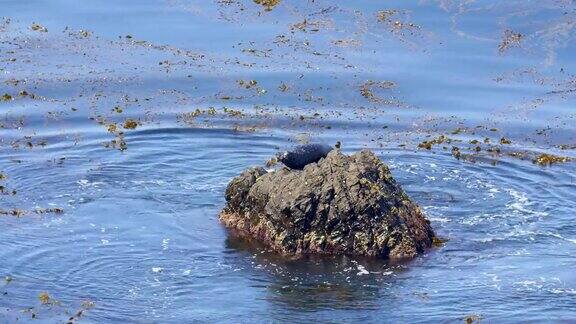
[(122, 122)]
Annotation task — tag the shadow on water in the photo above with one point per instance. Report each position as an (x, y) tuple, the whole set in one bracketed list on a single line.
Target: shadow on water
[(315, 283)]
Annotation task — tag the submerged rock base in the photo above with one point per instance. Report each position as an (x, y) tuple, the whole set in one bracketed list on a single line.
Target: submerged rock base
[(340, 205)]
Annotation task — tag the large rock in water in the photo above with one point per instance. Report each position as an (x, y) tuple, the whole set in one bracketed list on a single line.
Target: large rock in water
[(340, 205)]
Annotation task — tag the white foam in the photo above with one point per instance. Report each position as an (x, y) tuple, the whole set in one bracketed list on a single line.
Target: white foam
[(165, 243), (521, 204), (563, 291), (556, 235), (85, 183), (362, 270)]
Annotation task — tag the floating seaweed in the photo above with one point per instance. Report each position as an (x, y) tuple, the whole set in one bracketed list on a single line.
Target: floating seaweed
[(118, 143), (39, 28), (268, 4), (549, 159), (367, 89), (439, 140), (49, 210), (247, 84), (510, 39), (130, 124), (46, 299), (348, 42), (398, 23), (439, 241), (12, 212)]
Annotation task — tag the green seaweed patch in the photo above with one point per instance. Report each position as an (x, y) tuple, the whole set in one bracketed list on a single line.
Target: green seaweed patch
[(6, 97), (549, 159)]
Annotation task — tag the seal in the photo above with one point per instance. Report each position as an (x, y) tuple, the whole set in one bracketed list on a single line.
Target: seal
[(302, 155)]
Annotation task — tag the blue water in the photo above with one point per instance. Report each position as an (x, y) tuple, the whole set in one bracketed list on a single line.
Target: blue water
[(139, 239)]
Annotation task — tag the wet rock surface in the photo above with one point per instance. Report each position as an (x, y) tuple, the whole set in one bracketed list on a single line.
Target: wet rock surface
[(340, 205)]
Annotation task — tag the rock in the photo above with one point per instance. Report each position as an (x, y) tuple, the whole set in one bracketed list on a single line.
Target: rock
[(340, 205)]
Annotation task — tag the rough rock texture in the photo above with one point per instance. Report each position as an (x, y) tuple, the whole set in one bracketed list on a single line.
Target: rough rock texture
[(340, 205)]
